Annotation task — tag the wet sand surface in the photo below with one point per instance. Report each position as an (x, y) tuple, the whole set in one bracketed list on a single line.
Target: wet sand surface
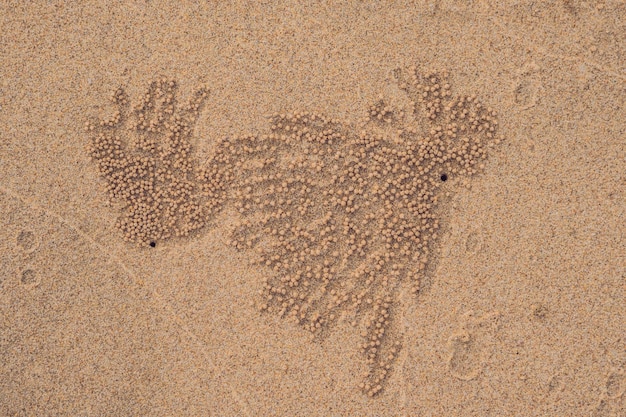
[(513, 305)]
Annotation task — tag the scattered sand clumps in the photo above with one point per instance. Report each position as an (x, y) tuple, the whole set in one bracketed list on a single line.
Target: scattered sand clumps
[(143, 154), (339, 216)]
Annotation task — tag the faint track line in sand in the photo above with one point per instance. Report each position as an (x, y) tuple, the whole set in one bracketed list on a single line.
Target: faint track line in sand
[(544, 51), (404, 399), (155, 294)]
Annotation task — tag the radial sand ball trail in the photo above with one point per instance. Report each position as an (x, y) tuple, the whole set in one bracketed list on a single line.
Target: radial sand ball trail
[(341, 217), (338, 216), (143, 154)]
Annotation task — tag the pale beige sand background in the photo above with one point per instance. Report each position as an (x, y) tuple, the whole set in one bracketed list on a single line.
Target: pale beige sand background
[(525, 313)]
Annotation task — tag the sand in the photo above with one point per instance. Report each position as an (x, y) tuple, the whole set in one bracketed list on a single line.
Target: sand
[(521, 309)]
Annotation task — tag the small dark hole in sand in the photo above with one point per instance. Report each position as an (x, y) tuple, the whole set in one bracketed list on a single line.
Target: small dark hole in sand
[(444, 177), (153, 244)]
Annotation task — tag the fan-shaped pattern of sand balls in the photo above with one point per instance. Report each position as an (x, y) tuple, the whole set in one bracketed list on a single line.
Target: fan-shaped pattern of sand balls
[(339, 216)]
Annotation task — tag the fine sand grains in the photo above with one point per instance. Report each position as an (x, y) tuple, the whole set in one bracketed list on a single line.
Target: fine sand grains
[(339, 216)]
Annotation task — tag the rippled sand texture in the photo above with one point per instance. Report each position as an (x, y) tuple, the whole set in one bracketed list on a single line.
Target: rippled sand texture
[(297, 210)]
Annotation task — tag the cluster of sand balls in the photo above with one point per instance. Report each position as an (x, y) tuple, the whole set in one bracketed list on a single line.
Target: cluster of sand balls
[(340, 218), (381, 112), (143, 154)]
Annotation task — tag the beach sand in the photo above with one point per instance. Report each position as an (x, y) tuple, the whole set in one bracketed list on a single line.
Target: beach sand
[(521, 309)]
